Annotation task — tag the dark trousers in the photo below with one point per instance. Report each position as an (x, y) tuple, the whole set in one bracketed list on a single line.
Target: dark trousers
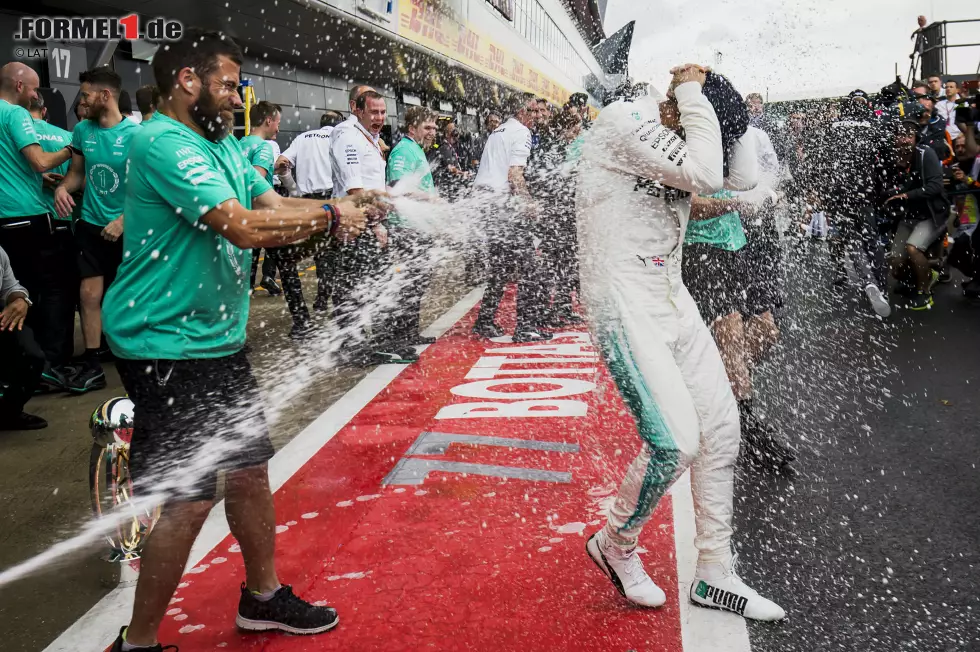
[(408, 253), (43, 256), (23, 362), (510, 254), (268, 264), (859, 241), (325, 259), (356, 267), (557, 277), (287, 260)]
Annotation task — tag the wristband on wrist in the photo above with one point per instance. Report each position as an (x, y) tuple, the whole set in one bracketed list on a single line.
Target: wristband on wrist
[(334, 214)]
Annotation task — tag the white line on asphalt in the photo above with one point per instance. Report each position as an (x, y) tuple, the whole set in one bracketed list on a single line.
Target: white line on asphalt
[(100, 625), (702, 630)]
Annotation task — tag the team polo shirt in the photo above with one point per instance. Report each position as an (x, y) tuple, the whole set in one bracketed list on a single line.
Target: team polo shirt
[(356, 160), (508, 146), (20, 192), (407, 161), (106, 152), (52, 139), (182, 290), (259, 153), (309, 154), (723, 232)]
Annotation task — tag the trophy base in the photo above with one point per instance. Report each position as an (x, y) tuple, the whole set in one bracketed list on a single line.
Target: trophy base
[(120, 572)]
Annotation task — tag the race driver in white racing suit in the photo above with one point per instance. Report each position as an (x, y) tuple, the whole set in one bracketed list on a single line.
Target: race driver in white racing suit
[(633, 203)]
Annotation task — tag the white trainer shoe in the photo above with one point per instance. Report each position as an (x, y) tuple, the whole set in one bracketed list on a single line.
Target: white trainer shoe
[(625, 569), (718, 587), (879, 302)]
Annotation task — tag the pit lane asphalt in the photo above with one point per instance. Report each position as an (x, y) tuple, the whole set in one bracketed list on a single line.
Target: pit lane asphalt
[(44, 493), (876, 546)]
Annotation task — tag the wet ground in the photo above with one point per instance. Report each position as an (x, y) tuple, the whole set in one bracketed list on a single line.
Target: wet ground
[(44, 491), (873, 547)]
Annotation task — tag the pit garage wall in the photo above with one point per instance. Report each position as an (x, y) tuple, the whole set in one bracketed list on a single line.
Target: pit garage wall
[(480, 16), (304, 93)]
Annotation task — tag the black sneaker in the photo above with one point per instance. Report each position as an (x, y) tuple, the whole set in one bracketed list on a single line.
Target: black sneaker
[(22, 421), (285, 612), (57, 377), (398, 354), (422, 340), (920, 301), (972, 289), (269, 285), (301, 332), (523, 336), (87, 379), (118, 646), (762, 442), (905, 289), (568, 318), (488, 331)]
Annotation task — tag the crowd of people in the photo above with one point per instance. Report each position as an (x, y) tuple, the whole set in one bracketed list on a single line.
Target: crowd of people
[(891, 180), (659, 222)]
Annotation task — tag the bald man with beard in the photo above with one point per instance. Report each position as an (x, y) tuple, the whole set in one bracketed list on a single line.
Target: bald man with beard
[(27, 231)]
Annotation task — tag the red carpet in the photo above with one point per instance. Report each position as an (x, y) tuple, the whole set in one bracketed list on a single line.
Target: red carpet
[(461, 561)]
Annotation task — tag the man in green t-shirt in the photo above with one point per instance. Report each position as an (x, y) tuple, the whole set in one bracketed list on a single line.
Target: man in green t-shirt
[(264, 120), (27, 232), (59, 340), (100, 154), (408, 249), (147, 101), (175, 319)]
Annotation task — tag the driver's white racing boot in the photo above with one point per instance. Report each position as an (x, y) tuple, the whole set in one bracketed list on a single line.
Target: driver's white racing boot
[(717, 586), (625, 569)]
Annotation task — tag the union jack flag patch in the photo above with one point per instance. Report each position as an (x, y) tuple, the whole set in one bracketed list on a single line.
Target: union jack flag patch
[(657, 261)]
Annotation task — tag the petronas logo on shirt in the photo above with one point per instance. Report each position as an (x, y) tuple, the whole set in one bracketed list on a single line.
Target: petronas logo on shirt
[(722, 599)]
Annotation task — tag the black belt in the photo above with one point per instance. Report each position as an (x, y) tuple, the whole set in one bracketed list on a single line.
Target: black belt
[(322, 194)]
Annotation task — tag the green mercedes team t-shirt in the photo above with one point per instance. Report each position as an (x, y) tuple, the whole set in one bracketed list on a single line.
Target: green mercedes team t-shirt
[(724, 232), (52, 139), (106, 152), (182, 290), (20, 185), (259, 153), (408, 159)]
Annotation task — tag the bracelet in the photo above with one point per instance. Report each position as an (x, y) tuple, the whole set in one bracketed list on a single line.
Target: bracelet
[(334, 214)]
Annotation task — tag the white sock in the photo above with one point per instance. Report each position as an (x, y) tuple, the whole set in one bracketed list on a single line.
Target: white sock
[(268, 595), (129, 647)]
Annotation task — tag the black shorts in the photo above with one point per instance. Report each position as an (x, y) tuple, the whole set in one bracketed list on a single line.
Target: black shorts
[(762, 259), (193, 418), (716, 280), (96, 255)]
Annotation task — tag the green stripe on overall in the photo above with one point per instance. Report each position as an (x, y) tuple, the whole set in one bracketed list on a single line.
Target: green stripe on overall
[(664, 454)]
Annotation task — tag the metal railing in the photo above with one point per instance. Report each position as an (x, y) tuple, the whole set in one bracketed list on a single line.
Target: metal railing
[(931, 47)]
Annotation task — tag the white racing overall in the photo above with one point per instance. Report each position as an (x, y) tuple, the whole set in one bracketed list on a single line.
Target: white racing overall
[(633, 204)]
